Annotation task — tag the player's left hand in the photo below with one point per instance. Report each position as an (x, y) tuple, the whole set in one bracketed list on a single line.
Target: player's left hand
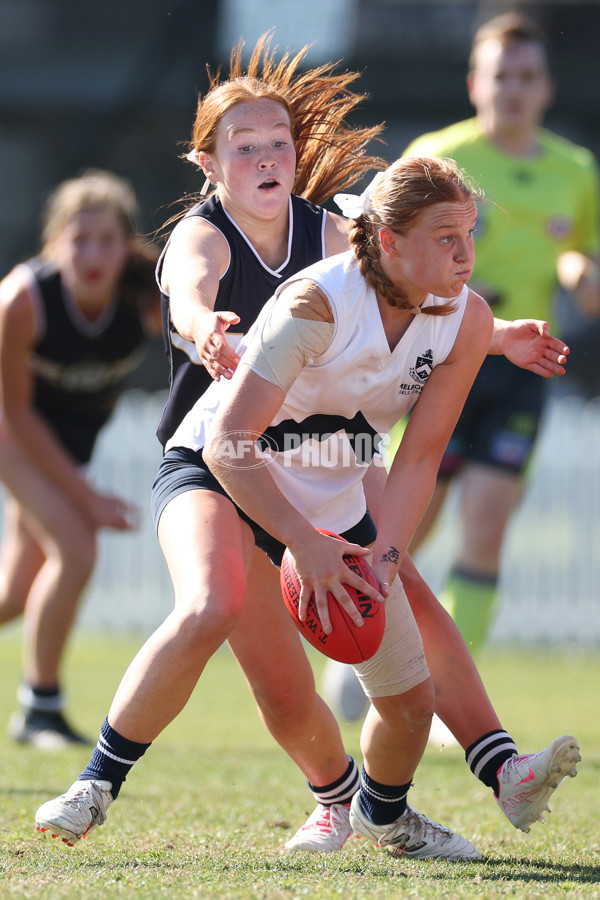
[(528, 344)]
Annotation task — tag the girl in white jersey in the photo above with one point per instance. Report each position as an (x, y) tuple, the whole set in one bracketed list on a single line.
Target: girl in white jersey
[(356, 341), (359, 339)]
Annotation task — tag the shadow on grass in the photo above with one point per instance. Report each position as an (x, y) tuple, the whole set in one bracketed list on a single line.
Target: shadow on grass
[(522, 872), (545, 871)]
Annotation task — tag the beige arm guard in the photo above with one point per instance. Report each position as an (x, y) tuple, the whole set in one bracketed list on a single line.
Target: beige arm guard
[(299, 328)]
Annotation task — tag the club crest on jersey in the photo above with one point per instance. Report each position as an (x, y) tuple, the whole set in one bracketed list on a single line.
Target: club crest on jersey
[(423, 367)]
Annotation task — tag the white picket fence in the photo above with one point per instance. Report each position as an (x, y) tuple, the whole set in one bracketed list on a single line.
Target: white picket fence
[(551, 577), (550, 584)]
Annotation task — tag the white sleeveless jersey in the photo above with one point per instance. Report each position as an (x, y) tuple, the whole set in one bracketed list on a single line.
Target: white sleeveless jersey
[(342, 403)]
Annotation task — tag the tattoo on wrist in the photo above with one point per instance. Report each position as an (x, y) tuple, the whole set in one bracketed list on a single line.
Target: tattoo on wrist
[(391, 555)]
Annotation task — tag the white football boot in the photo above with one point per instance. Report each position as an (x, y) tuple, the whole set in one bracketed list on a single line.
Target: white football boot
[(326, 830), (73, 815), (526, 783), (412, 835)]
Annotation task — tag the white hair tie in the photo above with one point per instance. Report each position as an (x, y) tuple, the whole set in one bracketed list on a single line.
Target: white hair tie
[(355, 205), (194, 157)]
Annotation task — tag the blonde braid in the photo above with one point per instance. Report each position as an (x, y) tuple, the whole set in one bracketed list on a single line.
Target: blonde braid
[(394, 200), (367, 250)]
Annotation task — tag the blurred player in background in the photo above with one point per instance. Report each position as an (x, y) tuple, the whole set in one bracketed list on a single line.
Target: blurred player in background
[(73, 324), (539, 229)]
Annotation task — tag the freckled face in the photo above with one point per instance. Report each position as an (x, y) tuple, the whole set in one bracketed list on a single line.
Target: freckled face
[(436, 255), (91, 252), (254, 161)]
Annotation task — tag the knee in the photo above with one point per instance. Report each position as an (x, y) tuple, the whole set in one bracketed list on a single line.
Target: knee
[(76, 553), (12, 604), (420, 705), (416, 707), (206, 616), (284, 704)]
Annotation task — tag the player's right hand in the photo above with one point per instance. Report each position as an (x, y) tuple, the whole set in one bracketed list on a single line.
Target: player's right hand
[(321, 569), (216, 353), (107, 511)]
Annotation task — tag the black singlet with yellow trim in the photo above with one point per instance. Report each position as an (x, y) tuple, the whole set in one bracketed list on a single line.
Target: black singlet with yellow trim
[(244, 289), (80, 366)]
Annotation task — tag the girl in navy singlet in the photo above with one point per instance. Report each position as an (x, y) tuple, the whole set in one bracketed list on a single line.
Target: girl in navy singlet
[(73, 323)]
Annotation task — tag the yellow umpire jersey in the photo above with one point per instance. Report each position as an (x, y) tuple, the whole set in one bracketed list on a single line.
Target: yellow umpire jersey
[(535, 209)]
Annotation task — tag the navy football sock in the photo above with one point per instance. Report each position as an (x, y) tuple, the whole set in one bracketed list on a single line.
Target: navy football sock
[(113, 758), (383, 803), (487, 754), (340, 791)]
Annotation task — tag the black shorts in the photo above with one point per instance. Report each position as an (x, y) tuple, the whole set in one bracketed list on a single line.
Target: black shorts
[(500, 419), (182, 469)]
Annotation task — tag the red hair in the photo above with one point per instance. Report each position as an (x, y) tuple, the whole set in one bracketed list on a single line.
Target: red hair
[(331, 153)]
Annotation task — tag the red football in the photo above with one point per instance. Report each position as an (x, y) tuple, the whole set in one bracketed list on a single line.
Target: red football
[(346, 643)]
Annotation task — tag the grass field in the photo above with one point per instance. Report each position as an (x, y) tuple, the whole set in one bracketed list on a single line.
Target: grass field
[(205, 814)]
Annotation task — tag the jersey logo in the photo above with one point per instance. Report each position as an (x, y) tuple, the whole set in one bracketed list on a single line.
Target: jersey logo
[(86, 376), (423, 367)]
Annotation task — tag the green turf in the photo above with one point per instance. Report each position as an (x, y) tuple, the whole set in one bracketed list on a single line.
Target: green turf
[(206, 812)]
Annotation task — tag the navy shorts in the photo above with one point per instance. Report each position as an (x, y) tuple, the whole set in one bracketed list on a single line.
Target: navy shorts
[(182, 469), (500, 419)]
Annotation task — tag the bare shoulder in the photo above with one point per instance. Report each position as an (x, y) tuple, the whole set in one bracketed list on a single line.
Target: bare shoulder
[(17, 295), (18, 309), (195, 242), (306, 300), (478, 310), (478, 320), (195, 234), (336, 234)]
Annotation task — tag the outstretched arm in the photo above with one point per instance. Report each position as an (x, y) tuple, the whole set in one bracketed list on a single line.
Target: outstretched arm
[(196, 258), (528, 344), (413, 472)]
